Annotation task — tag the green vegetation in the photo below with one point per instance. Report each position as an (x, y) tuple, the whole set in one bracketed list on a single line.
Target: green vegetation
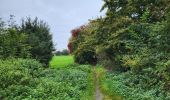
[(13, 42), (61, 61), (140, 86), (39, 39), (25, 52), (25, 79), (63, 52), (31, 39), (131, 43)]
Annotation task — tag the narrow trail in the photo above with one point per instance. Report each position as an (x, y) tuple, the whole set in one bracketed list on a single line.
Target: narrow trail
[(98, 93)]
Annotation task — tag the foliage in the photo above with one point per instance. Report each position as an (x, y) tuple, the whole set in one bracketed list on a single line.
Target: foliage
[(63, 52), (32, 39), (133, 38), (83, 53), (141, 86), (69, 84), (39, 38), (17, 77), (130, 37), (25, 79), (136, 9), (13, 42), (75, 39)]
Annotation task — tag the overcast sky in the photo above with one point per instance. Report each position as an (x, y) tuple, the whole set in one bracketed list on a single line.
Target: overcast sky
[(61, 15)]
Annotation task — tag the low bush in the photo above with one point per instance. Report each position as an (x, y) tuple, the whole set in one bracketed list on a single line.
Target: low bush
[(132, 86), (25, 79), (18, 77)]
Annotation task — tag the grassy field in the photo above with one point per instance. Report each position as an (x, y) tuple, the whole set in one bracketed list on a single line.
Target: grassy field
[(61, 61)]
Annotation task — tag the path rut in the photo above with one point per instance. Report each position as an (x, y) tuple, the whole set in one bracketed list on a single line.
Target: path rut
[(98, 94)]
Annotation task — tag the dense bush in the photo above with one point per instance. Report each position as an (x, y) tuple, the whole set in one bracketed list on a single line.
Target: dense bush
[(85, 55), (131, 86), (39, 38), (13, 42), (31, 39), (83, 52), (62, 84), (25, 79), (18, 77)]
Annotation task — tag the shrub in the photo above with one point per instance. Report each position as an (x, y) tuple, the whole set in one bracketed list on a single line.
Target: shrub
[(81, 44), (85, 55), (39, 38), (32, 39), (17, 77), (13, 43), (141, 86), (63, 83), (25, 79)]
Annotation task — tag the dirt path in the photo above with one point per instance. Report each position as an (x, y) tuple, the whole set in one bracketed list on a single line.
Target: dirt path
[(98, 94)]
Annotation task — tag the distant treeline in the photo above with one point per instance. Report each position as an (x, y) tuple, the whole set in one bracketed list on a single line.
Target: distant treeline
[(63, 52)]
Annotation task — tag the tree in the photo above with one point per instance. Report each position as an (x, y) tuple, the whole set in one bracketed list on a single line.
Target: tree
[(83, 54), (14, 44), (76, 38), (135, 9), (12, 41), (63, 52), (39, 38)]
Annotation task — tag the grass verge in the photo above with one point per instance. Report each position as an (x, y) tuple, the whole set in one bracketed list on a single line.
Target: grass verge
[(104, 85)]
